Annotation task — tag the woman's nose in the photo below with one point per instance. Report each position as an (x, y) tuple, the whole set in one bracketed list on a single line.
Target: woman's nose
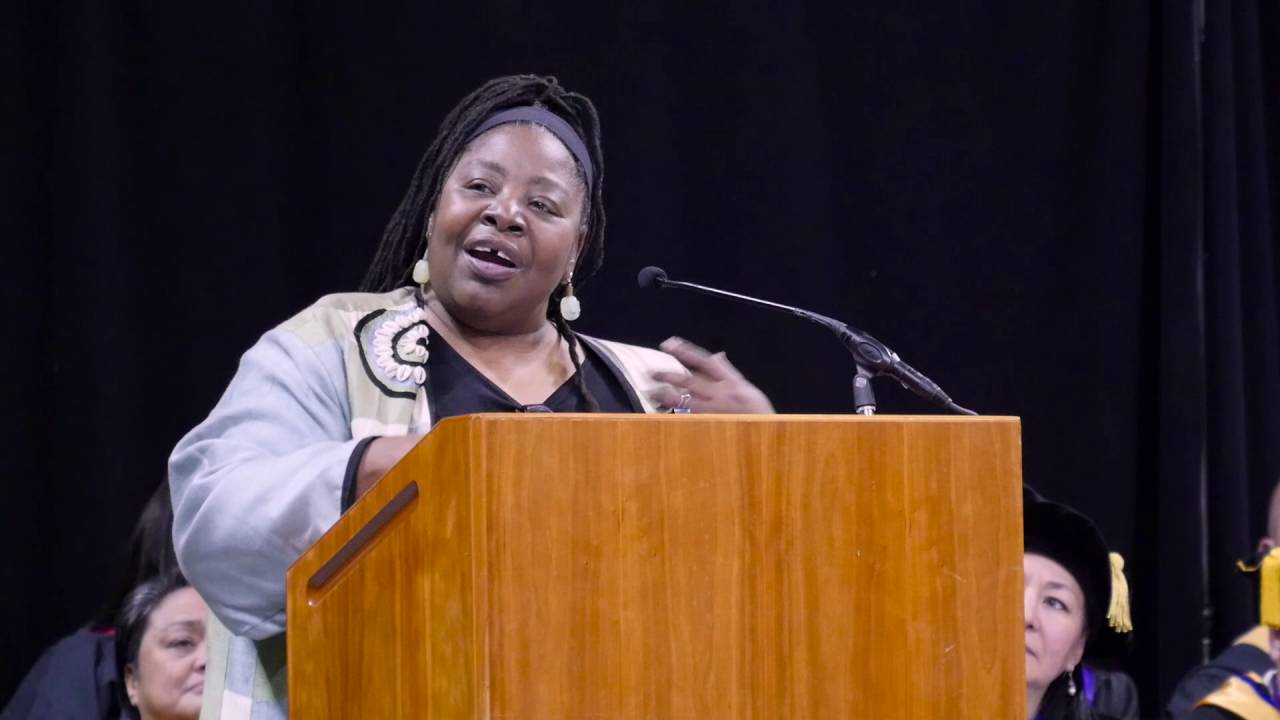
[(503, 215), (1029, 609)]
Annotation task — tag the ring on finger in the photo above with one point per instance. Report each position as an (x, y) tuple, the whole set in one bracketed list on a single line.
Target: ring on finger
[(683, 405)]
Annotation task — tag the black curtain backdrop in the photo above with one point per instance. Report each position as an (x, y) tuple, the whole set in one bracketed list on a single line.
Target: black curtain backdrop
[(1061, 211)]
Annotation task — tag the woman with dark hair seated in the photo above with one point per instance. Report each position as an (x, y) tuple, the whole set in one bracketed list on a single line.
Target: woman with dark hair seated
[(1076, 607), (77, 677), (161, 649)]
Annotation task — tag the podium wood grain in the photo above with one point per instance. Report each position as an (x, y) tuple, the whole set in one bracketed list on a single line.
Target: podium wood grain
[(579, 566)]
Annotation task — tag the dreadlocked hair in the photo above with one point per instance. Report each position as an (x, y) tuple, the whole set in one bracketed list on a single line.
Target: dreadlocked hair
[(404, 241), (571, 338)]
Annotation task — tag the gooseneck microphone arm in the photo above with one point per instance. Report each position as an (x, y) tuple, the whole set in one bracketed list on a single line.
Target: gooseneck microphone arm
[(870, 356)]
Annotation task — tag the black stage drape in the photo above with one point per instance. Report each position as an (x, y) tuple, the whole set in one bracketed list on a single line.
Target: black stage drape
[(1208, 456), (1062, 211)]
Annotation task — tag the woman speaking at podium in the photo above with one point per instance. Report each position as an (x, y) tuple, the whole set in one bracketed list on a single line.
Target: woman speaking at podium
[(474, 295)]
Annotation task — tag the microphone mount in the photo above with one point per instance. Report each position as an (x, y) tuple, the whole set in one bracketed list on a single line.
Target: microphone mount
[(870, 356)]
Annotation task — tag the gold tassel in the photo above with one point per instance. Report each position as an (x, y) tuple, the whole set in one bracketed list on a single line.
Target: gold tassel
[(1270, 582), (1245, 567), (1118, 613)]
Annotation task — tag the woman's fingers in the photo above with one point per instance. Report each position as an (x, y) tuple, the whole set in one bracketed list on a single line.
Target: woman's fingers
[(697, 359), (712, 384), (669, 397)]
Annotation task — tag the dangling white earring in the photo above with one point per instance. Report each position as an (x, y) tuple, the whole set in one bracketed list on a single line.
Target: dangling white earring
[(1071, 683), (421, 271), (570, 308)]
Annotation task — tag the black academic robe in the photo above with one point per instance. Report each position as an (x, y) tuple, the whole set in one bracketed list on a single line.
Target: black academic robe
[(1213, 713), (1111, 694), (1239, 698), (1247, 655), (75, 679)]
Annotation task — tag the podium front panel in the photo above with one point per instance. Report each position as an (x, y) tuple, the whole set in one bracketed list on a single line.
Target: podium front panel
[(609, 566)]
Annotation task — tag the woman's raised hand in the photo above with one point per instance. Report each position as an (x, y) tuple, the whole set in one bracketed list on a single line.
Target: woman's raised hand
[(712, 383)]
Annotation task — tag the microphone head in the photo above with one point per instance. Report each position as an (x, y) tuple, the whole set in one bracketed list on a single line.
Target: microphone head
[(649, 275)]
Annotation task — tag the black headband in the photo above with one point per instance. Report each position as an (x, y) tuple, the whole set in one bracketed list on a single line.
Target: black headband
[(549, 120)]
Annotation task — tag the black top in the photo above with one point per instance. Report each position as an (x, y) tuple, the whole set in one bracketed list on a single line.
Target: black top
[(457, 388)]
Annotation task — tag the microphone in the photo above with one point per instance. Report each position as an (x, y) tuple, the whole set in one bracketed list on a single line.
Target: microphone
[(648, 275), (871, 356)]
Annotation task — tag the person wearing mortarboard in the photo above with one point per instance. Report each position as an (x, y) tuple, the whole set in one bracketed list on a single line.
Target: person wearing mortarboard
[(1076, 608), (1250, 694), (1249, 653)]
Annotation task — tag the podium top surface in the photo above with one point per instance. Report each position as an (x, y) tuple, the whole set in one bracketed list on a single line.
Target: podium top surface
[(719, 417)]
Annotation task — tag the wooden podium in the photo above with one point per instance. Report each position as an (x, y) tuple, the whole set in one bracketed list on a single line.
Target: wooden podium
[(697, 566)]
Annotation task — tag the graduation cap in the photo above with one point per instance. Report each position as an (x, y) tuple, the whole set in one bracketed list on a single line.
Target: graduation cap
[(1070, 539)]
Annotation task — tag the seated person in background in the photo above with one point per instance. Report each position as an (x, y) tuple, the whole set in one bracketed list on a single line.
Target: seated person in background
[(1252, 695), (1250, 653), (1076, 606), (161, 649), (77, 677)]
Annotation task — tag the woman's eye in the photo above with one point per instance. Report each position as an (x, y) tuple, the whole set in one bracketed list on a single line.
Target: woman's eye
[(182, 643), (1056, 604), (542, 206), (479, 186)]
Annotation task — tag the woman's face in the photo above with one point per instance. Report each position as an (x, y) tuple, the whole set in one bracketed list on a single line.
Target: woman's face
[(506, 229), (167, 682), (1054, 610)]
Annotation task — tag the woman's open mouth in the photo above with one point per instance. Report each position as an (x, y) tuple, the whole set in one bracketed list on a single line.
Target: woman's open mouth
[(491, 255), (490, 264)]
